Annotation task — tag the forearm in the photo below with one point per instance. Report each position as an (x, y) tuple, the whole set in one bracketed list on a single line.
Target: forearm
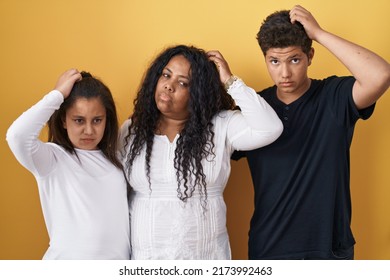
[(257, 124), (257, 112)]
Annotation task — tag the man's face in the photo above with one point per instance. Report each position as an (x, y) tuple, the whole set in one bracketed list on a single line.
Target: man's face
[(288, 69)]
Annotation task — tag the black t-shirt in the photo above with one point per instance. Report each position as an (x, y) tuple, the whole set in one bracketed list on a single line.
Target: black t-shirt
[(301, 181)]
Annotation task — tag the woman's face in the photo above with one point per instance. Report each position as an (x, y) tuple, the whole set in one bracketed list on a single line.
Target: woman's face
[(85, 122), (172, 91)]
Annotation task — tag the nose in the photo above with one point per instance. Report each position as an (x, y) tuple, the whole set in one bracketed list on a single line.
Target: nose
[(285, 71), (168, 86), (88, 129)]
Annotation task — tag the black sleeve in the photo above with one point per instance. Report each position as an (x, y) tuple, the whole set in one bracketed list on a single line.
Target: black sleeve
[(238, 155)]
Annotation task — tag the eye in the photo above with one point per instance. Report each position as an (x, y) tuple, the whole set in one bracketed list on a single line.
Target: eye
[(184, 84), (165, 75), (98, 120), (295, 60), (78, 121), (274, 61)]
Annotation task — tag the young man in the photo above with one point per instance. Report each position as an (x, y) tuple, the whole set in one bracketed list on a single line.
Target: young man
[(302, 185)]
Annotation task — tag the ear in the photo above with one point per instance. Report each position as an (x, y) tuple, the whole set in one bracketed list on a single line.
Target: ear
[(311, 55), (63, 123)]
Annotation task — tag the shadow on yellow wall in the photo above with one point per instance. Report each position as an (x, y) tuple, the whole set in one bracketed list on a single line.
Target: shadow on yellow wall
[(115, 40)]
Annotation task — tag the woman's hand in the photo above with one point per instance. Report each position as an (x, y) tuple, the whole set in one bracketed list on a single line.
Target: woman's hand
[(222, 65)]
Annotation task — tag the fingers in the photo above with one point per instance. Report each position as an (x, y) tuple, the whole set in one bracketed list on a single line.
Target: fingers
[(222, 65), (72, 74), (217, 58), (298, 13), (66, 81), (214, 53), (309, 23)]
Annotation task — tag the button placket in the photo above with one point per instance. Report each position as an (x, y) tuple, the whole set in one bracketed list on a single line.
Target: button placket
[(286, 113)]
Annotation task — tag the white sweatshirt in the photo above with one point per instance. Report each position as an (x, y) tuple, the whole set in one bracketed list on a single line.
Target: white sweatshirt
[(83, 199)]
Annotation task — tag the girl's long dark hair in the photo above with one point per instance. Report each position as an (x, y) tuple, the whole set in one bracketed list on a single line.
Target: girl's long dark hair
[(88, 87), (195, 143)]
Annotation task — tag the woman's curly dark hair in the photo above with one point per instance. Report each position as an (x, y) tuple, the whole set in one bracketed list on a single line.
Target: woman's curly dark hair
[(195, 142), (277, 31)]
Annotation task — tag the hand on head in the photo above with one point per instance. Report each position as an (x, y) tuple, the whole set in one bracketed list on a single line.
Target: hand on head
[(66, 81), (304, 17), (222, 65)]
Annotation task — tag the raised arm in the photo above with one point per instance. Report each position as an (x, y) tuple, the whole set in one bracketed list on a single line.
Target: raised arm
[(257, 124), (22, 136), (372, 73)]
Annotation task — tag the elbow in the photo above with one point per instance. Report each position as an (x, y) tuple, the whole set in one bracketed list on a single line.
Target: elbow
[(271, 135), (381, 85), (14, 138), (279, 130), (384, 78), (276, 131), (11, 137), (387, 78)]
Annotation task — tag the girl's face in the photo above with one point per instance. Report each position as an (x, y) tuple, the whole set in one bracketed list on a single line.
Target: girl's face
[(85, 122), (173, 89)]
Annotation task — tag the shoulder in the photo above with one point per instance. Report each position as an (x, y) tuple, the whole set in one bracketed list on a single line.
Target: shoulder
[(59, 152), (267, 92), (336, 82), (124, 128), (332, 87)]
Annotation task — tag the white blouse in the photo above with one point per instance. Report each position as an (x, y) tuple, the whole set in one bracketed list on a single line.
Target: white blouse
[(164, 227)]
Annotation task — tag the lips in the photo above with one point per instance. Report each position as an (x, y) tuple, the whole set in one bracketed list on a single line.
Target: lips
[(164, 97), (286, 84), (88, 140)]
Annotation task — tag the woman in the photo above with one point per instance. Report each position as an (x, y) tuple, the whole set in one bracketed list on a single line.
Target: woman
[(176, 152)]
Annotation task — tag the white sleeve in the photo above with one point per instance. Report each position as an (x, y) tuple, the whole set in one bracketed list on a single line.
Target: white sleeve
[(22, 135), (123, 132), (256, 125)]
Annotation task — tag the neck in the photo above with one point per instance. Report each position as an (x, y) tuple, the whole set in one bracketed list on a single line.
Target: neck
[(170, 127), (288, 97)]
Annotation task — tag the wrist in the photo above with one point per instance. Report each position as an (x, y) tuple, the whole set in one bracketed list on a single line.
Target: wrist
[(229, 81)]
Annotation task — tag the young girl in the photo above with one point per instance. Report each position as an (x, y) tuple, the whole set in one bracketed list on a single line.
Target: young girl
[(81, 183)]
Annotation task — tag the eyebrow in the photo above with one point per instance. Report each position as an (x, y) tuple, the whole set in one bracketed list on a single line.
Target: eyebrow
[(182, 76), (295, 55), (82, 117), (290, 57)]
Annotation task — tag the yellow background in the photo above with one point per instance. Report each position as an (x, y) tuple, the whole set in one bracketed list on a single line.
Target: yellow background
[(116, 39)]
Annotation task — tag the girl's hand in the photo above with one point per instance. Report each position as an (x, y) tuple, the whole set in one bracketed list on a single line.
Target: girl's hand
[(66, 81)]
